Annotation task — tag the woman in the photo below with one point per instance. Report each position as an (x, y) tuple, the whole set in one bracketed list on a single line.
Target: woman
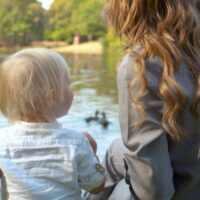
[(159, 94)]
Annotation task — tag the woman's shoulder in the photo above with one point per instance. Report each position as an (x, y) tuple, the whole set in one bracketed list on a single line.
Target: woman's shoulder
[(125, 70), (154, 73), (153, 65), (5, 133), (153, 69)]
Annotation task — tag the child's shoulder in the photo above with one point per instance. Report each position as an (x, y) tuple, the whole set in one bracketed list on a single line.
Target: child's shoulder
[(6, 130), (72, 135), (5, 134)]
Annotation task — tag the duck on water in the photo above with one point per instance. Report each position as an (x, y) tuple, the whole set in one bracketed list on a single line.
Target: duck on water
[(103, 120)]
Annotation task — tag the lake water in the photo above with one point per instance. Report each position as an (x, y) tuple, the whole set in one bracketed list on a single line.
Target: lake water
[(94, 85)]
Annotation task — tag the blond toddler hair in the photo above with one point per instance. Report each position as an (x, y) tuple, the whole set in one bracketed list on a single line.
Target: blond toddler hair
[(32, 82)]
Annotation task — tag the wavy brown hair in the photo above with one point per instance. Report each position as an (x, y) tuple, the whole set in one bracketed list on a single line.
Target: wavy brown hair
[(169, 30)]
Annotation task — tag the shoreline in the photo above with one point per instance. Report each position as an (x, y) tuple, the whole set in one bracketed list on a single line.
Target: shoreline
[(92, 47), (87, 48)]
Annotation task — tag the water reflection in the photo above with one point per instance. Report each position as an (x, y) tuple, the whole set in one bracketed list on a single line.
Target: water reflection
[(91, 71), (94, 85)]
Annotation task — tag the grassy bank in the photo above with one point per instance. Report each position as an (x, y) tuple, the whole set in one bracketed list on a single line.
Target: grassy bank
[(93, 47)]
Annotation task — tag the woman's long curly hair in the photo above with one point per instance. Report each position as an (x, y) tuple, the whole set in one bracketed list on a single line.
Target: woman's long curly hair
[(169, 30)]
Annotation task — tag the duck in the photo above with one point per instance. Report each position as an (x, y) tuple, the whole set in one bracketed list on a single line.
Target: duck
[(103, 121), (93, 118)]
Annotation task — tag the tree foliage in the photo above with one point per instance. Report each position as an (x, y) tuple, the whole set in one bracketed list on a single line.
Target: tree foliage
[(68, 17), (21, 21), (87, 18), (58, 27)]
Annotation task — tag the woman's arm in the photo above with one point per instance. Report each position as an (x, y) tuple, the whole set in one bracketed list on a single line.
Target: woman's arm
[(148, 163)]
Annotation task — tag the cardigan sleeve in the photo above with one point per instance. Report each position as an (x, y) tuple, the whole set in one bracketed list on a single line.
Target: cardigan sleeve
[(148, 162)]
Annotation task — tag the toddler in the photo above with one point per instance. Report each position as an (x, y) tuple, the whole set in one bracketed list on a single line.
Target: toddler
[(40, 160)]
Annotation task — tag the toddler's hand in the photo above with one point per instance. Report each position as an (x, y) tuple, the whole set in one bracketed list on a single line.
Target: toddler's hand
[(91, 141)]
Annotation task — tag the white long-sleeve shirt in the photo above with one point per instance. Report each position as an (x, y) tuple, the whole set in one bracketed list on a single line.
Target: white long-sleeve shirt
[(43, 161)]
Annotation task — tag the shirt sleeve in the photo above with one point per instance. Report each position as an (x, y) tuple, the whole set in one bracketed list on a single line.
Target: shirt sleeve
[(148, 162), (90, 173)]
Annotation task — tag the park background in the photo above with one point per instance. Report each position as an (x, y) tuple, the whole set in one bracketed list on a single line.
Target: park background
[(77, 30)]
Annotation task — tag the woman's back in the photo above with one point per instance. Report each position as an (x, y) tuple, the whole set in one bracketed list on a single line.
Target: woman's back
[(184, 154), (170, 168)]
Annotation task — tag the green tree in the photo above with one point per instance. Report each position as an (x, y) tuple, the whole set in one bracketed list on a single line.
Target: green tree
[(21, 21), (59, 15), (87, 18), (68, 17)]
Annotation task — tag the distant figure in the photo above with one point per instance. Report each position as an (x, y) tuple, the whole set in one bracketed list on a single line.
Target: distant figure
[(39, 159), (77, 39), (93, 118), (103, 121)]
